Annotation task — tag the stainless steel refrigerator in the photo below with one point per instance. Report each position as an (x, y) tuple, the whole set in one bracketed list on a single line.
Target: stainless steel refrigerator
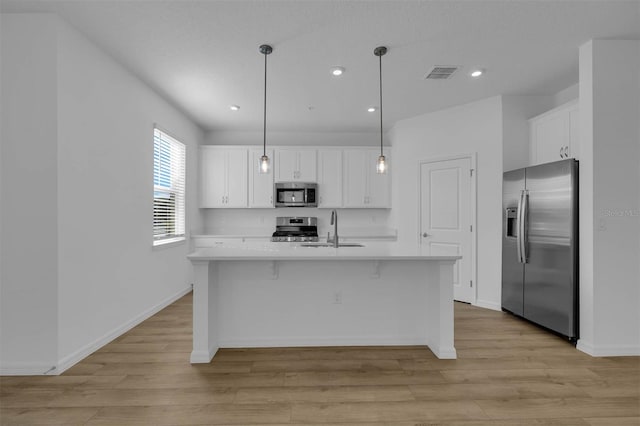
[(540, 245)]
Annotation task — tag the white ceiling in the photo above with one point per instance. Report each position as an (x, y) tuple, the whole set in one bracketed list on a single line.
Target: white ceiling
[(203, 55)]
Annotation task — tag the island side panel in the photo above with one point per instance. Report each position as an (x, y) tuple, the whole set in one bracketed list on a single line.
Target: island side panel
[(381, 302), (205, 300), (440, 309)]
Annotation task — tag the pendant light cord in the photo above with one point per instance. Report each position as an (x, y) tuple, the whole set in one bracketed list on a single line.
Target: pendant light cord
[(380, 57), (264, 126)]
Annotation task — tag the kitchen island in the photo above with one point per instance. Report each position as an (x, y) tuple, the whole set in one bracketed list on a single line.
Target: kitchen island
[(288, 294)]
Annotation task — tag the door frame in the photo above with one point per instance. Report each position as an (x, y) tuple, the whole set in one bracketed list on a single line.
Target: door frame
[(474, 211)]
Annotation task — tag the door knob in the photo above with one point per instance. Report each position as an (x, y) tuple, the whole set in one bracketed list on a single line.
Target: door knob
[(424, 234)]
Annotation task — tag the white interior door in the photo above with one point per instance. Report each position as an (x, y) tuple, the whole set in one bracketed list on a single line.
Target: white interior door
[(446, 217)]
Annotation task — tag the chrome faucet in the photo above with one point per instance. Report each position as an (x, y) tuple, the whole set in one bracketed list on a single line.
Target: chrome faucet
[(334, 222)]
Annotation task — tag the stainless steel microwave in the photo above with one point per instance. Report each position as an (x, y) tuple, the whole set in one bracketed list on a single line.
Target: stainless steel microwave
[(296, 194)]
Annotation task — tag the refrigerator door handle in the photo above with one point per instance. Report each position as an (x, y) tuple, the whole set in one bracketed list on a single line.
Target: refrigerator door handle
[(524, 228), (519, 233)]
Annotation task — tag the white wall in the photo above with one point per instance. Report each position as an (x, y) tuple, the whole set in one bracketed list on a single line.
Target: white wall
[(106, 154), (294, 138), (263, 221), (472, 128), (566, 95), (29, 234), (99, 166), (609, 198)]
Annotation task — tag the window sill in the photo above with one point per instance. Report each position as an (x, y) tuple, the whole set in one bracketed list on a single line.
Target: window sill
[(168, 243)]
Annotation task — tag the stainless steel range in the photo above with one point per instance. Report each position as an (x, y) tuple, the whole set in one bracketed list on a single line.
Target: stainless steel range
[(296, 229)]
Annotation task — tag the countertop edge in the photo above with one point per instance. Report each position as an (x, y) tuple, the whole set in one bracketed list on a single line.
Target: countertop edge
[(336, 256)]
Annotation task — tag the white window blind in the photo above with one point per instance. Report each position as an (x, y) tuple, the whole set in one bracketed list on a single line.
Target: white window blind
[(168, 188)]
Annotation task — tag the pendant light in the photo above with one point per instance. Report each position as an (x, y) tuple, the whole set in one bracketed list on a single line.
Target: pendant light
[(381, 166), (265, 49)]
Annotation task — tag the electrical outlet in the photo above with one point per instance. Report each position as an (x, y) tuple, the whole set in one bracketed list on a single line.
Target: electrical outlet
[(602, 225), (337, 298)]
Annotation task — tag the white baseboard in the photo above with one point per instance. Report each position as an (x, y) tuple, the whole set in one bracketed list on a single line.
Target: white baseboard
[(72, 359), (607, 350), (27, 369), (444, 353), (488, 305), (203, 357), (322, 341)]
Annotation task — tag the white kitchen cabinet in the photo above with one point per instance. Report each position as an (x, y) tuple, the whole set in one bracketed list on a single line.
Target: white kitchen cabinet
[(223, 177), (362, 186), (330, 178), (260, 184), (346, 176), (553, 136), (295, 165)]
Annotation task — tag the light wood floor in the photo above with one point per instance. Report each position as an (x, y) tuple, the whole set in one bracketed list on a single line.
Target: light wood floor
[(508, 373)]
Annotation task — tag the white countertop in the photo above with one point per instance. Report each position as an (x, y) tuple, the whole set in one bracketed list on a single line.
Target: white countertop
[(295, 251)]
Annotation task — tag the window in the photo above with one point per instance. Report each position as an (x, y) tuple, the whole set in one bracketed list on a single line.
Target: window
[(168, 189)]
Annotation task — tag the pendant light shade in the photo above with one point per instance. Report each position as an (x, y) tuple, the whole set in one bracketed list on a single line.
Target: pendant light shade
[(265, 165), (381, 165)]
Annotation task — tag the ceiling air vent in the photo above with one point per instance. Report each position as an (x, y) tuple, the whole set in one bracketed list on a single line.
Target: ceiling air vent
[(440, 72)]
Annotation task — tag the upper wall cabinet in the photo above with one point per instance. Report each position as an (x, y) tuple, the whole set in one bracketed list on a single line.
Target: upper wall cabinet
[(330, 177), (295, 164), (553, 136), (363, 186), (260, 184), (346, 177), (223, 177)]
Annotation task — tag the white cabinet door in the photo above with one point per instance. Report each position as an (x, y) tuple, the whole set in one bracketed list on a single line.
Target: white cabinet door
[(260, 184), (379, 184), (213, 186), (554, 134), (223, 177), (551, 136), (236, 178), (286, 165), (330, 178), (363, 186), (307, 163), (573, 150), (355, 178), (293, 164), (354, 181)]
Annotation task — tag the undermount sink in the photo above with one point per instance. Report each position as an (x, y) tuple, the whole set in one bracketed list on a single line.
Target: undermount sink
[(331, 245)]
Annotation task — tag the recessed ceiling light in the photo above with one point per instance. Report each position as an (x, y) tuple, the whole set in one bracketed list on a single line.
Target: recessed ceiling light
[(337, 71), (372, 109), (476, 73), (234, 107)]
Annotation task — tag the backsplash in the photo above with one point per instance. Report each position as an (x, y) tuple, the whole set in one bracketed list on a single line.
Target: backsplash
[(264, 220)]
